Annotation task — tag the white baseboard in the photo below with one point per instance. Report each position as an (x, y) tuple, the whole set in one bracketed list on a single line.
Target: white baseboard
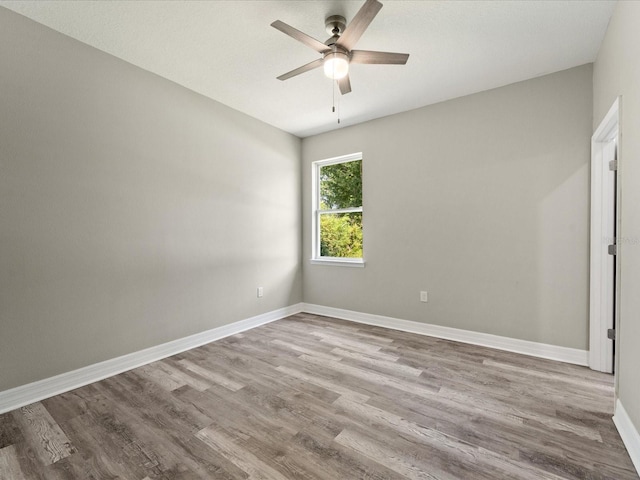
[(629, 434), (542, 350), (36, 391)]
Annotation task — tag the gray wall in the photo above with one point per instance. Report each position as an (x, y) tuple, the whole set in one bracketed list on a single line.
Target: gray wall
[(132, 211), (482, 201), (617, 72)]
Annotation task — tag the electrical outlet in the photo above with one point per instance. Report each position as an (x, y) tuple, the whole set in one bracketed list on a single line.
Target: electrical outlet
[(260, 292), (423, 297)]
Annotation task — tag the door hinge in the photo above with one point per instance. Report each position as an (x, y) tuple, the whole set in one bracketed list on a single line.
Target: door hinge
[(612, 249), (613, 165), (611, 334)]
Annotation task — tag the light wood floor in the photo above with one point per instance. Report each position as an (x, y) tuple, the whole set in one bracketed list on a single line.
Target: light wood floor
[(310, 397)]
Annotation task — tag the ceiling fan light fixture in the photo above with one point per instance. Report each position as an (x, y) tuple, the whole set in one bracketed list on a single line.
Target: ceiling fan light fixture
[(336, 65)]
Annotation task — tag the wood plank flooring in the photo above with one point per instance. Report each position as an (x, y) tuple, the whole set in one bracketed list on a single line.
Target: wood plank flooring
[(311, 397)]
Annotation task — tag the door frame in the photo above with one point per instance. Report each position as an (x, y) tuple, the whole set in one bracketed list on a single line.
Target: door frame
[(602, 280)]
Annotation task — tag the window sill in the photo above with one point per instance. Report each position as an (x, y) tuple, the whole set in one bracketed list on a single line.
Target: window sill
[(338, 262)]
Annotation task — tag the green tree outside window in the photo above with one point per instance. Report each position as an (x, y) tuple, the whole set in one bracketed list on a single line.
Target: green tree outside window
[(341, 188)]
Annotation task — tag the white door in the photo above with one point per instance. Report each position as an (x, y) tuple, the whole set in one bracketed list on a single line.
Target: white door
[(604, 146)]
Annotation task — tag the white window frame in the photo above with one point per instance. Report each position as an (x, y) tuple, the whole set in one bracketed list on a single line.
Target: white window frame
[(316, 258)]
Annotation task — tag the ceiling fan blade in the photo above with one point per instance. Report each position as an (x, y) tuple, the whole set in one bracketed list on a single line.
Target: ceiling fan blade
[(359, 24), (317, 45), (345, 85), (367, 56), (305, 68)]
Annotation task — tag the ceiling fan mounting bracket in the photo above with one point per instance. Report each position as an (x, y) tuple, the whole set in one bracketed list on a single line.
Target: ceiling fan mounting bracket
[(335, 25)]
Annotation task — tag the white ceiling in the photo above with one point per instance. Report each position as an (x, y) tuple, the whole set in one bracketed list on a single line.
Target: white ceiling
[(227, 50)]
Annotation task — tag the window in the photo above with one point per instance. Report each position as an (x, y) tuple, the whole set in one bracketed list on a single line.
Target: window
[(337, 211)]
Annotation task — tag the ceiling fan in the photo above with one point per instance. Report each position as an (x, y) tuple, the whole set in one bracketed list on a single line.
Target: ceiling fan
[(337, 52)]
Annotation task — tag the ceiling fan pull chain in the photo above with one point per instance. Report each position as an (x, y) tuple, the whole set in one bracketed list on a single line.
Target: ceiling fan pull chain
[(338, 107), (333, 98)]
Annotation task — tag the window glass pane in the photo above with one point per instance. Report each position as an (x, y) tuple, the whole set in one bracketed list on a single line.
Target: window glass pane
[(341, 185), (341, 235)]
